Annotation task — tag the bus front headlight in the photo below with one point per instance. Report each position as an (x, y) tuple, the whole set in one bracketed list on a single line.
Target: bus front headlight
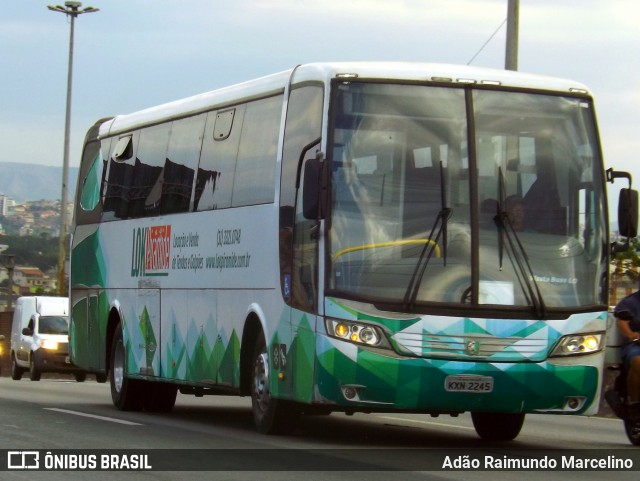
[(578, 344), (357, 332)]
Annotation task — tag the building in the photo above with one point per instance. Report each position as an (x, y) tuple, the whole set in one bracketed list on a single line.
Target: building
[(6, 205), (31, 280)]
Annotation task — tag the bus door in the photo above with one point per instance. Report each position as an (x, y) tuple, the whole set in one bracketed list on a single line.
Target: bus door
[(299, 239)]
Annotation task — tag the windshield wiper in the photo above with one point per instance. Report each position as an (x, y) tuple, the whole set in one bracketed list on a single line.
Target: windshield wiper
[(517, 254), (429, 248)]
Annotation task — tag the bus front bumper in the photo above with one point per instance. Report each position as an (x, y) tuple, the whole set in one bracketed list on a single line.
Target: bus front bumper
[(366, 380)]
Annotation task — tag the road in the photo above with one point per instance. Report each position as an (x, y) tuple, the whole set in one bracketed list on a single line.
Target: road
[(57, 414)]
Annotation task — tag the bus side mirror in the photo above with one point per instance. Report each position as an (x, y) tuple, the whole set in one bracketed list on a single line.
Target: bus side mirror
[(314, 192), (628, 213)]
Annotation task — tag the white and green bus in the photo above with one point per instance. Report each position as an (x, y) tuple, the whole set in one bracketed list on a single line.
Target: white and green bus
[(349, 237)]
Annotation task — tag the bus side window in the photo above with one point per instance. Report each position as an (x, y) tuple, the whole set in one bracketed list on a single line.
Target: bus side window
[(254, 181), (91, 170), (119, 176), (143, 199), (181, 163), (216, 170)]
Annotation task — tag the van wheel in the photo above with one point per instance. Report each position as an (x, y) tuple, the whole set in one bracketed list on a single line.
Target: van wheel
[(16, 371), (126, 394), (34, 372), (80, 376), (497, 426), (271, 416)]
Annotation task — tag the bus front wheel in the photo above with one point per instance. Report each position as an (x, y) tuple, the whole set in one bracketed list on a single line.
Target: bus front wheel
[(497, 426), (126, 393), (271, 416)]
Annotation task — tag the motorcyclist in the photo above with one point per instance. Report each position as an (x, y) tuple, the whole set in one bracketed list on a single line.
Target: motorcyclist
[(627, 313)]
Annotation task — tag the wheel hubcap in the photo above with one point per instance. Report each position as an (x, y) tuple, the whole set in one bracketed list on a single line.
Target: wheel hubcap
[(118, 367), (261, 381)]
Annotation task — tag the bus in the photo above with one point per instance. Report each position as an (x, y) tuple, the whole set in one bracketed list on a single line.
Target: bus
[(349, 237)]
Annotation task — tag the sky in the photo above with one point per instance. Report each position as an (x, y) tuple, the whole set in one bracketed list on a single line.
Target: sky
[(134, 54)]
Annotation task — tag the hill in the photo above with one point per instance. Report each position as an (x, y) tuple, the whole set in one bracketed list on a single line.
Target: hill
[(29, 182)]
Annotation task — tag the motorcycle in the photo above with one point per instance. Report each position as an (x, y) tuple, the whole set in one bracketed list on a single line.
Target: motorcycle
[(618, 400)]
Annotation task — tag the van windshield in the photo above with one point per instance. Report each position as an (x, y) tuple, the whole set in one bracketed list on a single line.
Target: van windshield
[(54, 325)]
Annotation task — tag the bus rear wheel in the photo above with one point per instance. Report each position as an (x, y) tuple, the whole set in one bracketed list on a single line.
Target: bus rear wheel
[(497, 426), (126, 394), (160, 397), (271, 416)]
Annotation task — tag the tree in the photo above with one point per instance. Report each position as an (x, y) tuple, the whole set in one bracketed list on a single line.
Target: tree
[(627, 260), (38, 251)]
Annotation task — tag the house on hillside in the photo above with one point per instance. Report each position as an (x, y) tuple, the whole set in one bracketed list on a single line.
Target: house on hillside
[(31, 280)]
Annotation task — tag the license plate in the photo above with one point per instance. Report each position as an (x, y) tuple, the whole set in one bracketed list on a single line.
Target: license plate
[(67, 360), (461, 383)]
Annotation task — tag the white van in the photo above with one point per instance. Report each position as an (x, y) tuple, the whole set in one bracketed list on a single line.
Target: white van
[(40, 338)]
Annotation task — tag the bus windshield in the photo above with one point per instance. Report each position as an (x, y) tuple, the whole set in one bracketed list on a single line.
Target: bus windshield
[(465, 196)]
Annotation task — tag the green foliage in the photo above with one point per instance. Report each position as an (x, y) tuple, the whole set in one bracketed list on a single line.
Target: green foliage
[(627, 261), (38, 251)]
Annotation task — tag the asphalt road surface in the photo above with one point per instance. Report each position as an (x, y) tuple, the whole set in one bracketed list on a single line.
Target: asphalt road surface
[(217, 434)]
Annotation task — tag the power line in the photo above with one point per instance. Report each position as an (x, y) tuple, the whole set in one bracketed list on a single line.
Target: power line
[(488, 40)]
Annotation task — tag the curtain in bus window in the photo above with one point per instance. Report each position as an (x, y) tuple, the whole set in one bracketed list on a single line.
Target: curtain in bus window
[(146, 190), (181, 162), (119, 177)]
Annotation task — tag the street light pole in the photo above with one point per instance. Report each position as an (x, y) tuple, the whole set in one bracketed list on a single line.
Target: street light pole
[(513, 28), (72, 10)]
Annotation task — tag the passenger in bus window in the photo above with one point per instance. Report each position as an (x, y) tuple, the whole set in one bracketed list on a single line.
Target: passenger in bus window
[(627, 313), (515, 210)]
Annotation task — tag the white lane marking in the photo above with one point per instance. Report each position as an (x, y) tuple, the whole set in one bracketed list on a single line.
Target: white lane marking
[(94, 416), (430, 423)]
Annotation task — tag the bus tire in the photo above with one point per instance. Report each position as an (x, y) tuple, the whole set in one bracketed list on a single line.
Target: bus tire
[(16, 371), (632, 429), (126, 394), (497, 426), (101, 378), (80, 376), (160, 397), (271, 416)]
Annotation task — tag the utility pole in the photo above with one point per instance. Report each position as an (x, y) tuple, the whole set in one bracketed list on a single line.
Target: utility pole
[(9, 263), (71, 9), (513, 25)]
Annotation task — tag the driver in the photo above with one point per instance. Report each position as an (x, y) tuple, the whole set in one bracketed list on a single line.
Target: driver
[(627, 313)]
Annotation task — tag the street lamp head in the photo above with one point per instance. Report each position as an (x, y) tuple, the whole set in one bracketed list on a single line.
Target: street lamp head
[(8, 261), (72, 8)]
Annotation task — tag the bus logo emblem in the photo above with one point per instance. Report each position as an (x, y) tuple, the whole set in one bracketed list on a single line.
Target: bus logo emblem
[(150, 251), (473, 347)]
